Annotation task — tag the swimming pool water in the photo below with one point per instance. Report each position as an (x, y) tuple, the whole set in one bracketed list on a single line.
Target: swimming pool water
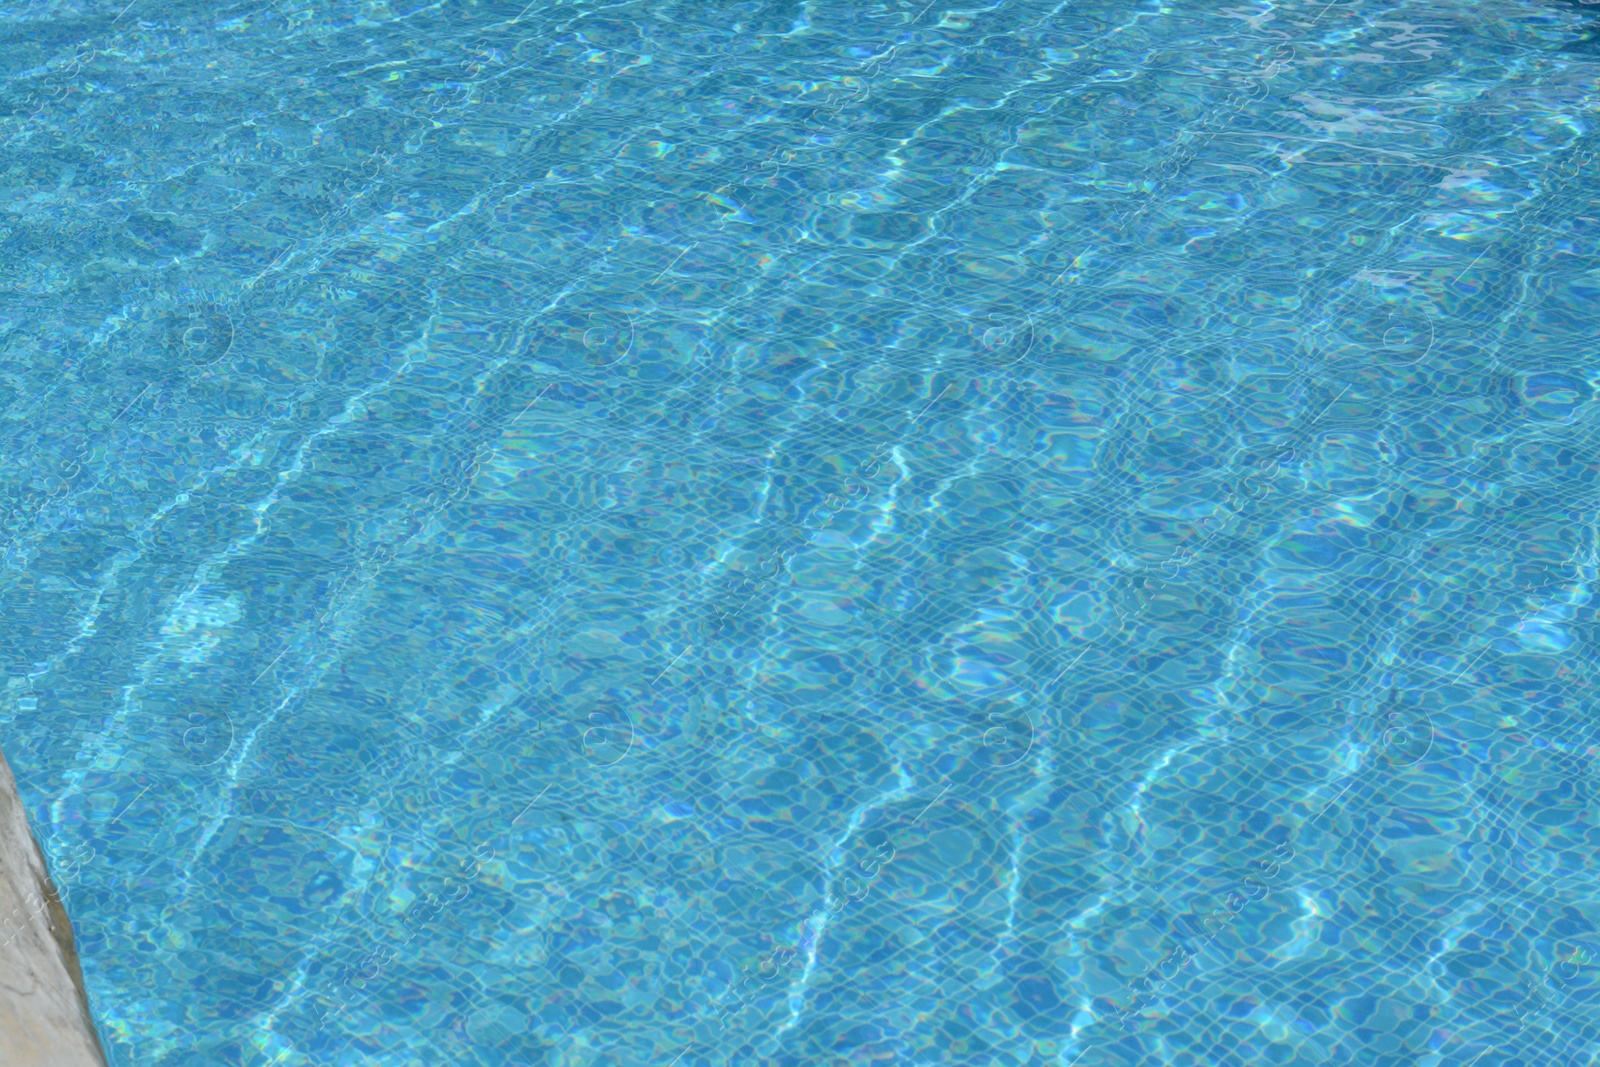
[(808, 533)]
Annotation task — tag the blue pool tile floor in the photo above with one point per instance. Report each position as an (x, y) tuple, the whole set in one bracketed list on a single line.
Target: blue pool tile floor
[(808, 533)]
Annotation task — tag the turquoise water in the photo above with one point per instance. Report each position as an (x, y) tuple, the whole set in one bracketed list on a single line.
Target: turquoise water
[(808, 533)]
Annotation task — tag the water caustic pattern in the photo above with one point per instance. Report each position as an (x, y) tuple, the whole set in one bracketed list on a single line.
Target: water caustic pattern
[(808, 533)]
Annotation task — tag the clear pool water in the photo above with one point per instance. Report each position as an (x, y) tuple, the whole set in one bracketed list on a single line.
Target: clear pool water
[(808, 533)]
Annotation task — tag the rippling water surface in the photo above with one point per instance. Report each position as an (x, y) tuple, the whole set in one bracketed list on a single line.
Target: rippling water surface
[(808, 533)]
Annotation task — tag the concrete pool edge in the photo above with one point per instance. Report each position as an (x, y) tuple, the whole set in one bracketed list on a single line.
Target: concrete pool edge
[(44, 1009)]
